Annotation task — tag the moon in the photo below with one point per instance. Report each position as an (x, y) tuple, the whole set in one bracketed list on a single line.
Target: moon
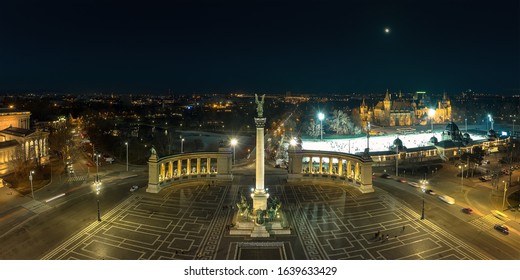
[(387, 30)]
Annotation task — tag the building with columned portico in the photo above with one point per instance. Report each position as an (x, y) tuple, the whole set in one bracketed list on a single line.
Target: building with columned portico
[(18, 141)]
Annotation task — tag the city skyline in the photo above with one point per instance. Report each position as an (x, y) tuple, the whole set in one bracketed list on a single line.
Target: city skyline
[(261, 46)]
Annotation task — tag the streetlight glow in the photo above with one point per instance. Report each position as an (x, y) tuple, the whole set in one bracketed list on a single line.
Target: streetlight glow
[(126, 144), (321, 116), (31, 179), (431, 114), (234, 142)]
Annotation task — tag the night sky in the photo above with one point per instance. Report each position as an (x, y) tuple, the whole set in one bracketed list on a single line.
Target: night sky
[(260, 46)]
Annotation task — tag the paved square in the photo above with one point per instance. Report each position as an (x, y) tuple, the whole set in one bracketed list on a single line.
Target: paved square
[(327, 222)]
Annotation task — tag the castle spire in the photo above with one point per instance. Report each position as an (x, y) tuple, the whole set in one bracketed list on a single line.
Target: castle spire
[(387, 97)]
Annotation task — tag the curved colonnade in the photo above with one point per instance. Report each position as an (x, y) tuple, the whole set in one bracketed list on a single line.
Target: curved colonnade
[(350, 169)]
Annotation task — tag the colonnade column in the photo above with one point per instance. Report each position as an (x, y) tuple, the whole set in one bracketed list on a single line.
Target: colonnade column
[(330, 165), (198, 165), (321, 165), (340, 166)]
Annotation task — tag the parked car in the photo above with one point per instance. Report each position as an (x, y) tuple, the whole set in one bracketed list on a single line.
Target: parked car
[(503, 229), (485, 178), (467, 210), (430, 192), (134, 188)]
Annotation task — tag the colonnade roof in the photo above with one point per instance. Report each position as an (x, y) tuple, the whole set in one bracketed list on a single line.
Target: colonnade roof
[(331, 154), (195, 155)]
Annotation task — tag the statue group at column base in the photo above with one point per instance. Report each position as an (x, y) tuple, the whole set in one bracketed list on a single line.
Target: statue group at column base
[(243, 226), (259, 222)]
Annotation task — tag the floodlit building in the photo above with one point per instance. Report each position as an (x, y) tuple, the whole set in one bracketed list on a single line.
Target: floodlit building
[(403, 112), (18, 142)]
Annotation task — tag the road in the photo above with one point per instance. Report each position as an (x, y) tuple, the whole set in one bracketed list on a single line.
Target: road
[(66, 215), (474, 229)]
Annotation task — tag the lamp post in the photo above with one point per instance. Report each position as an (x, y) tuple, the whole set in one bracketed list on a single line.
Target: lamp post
[(462, 177), (182, 145), (368, 140), (513, 133), (126, 144), (422, 210), (396, 160), (97, 198), (97, 168), (466, 124), (30, 179), (505, 191), (321, 116), (424, 182), (431, 114), (234, 143)]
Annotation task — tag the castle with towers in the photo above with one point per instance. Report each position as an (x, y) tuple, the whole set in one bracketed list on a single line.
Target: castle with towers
[(405, 112)]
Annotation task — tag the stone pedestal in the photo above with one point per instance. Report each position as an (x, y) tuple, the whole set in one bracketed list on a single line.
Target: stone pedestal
[(259, 200)]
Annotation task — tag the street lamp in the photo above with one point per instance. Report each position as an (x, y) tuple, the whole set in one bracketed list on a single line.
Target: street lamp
[(321, 116), (513, 134), (396, 160), (182, 145), (97, 168), (368, 140), (505, 191), (126, 144), (462, 177), (234, 142), (466, 123), (431, 114), (30, 179), (293, 143), (97, 198)]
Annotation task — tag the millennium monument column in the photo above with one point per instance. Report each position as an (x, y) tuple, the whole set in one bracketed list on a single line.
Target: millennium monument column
[(265, 217), (259, 195)]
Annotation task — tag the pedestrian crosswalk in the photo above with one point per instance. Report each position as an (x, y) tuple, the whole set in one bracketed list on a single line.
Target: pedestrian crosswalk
[(486, 222), (76, 178)]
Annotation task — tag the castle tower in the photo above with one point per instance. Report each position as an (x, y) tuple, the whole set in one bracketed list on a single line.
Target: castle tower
[(387, 102)]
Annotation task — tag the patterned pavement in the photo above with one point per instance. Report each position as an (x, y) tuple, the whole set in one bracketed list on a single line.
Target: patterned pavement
[(327, 222)]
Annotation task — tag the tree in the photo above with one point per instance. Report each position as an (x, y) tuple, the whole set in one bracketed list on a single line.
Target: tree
[(313, 129), (342, 124), (339, 122)]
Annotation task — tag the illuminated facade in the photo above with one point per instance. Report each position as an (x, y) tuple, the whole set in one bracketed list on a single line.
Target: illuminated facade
[(402, 112), (18, 142)]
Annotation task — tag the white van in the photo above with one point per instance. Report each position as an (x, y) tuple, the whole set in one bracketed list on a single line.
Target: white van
[(447, 199)]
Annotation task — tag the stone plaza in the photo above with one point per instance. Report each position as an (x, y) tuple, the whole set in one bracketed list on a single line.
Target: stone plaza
[(327, 223)]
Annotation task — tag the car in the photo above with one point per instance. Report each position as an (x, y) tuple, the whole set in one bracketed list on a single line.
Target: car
[(386, 176), (134, 188), (499, 215), (430, 192), (447, 199), (401, 180), (467, 210), (503, 229), (414, 184)]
